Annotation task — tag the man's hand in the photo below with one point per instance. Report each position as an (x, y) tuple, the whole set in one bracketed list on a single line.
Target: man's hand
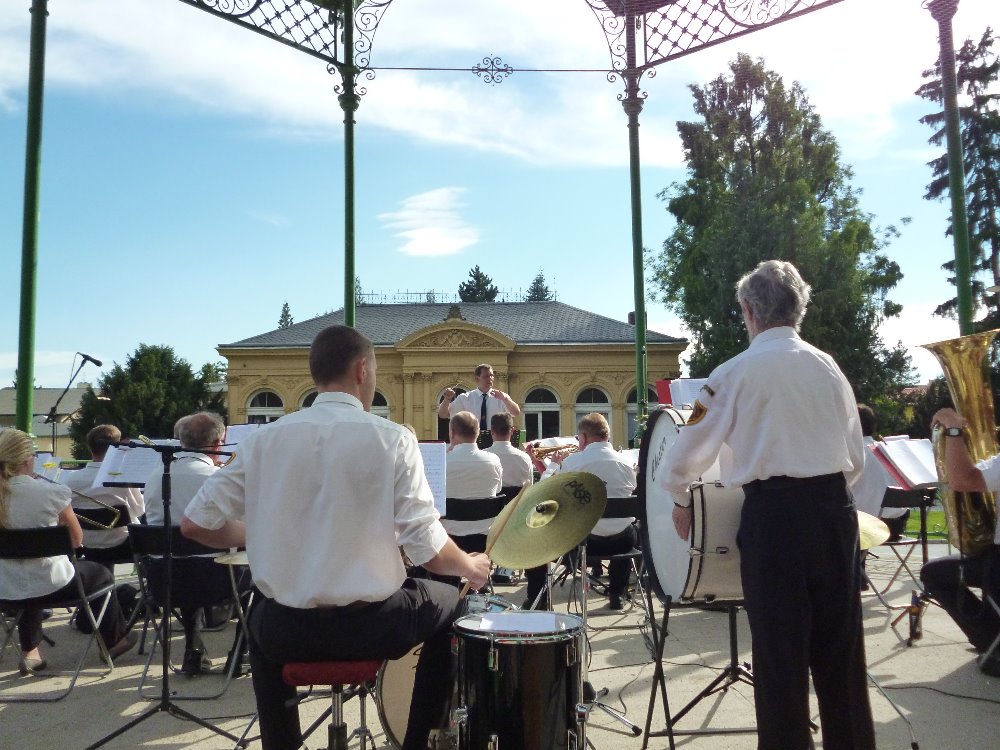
[(682, 521), (479, 569), (449, 394), (948, 418)]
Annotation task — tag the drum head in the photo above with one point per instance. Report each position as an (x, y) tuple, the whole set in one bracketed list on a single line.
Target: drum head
[(667, 556), (518, 625), (393, 693)]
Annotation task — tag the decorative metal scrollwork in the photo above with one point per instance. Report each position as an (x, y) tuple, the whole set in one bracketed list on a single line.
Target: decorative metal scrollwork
[(493, 70)]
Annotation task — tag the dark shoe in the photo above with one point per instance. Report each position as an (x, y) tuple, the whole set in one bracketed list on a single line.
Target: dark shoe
[(616, 603), (543, 603), (195, 662), (990, 665), (124, 645), (30, 666)]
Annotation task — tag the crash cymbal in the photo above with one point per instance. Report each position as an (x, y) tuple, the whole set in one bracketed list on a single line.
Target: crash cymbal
[(872, 530), (547, 520)]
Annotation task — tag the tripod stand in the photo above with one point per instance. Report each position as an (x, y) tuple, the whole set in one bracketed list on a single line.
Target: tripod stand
[(165, 705)]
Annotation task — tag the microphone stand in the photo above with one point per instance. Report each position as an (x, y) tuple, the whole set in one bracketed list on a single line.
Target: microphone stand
[(167, 453), (51, 418)]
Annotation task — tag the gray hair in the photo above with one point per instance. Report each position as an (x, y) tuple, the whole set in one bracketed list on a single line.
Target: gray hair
[(775, 294), (200, 430)]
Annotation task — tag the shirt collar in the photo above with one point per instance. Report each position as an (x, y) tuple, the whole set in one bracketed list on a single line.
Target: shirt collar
[(773, 334), (338, 397), (465, 448)]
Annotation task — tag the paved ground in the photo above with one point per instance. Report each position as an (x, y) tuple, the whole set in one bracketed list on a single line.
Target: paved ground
[(935, 684)]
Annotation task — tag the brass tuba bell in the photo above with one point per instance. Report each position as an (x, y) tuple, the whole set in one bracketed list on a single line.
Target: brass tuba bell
[(971, 516)]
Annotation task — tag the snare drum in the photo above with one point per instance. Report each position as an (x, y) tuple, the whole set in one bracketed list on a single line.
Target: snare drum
[(520, 681), (394, 685), (705, 567)]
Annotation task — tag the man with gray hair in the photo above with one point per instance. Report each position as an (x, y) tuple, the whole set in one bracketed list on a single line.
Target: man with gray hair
[(785, 420)]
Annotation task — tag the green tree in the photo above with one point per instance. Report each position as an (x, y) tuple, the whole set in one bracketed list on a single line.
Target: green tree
[(539, 291), (977, 70), (764, 180), (479, 288), (146, 396), (285, 320)]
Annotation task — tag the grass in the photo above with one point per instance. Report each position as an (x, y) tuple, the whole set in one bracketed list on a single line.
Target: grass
[(936, 525)]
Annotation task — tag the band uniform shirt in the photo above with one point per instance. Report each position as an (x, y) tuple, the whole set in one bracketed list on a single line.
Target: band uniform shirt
[(129, 498), (471, 473), (781, 407), (472, 401), (514, 462), (188, 473), (324, 493), (601, 459), (990, 467), (34, 503)]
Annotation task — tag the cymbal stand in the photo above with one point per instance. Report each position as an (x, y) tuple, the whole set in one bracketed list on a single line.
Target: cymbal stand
[(165, 704)]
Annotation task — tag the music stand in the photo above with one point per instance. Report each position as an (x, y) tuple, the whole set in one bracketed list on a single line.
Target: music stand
[(167, 453)]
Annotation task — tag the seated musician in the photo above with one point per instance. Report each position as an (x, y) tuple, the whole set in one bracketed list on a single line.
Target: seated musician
[(103, 545), (515, 463), (611, 536), (948, 579), (318, 499), (869, 490), (198, 582), (469, 473)]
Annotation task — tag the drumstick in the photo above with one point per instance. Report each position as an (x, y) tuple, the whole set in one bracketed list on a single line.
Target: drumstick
[(489, 547)]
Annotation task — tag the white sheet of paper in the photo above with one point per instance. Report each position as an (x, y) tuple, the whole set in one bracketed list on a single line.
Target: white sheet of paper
[(914, 459), (684, 391), (237, 432), (435, 455), (131, 466)]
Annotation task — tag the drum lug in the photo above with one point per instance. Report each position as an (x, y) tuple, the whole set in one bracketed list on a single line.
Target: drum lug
[(571, 655), (459, 716), (494, 743), (582, 712), (491, 658)]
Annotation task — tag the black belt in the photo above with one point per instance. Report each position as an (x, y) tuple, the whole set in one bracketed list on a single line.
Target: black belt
[(771, 484)]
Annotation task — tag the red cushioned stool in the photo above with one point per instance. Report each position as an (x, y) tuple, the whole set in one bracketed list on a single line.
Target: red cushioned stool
[(336, 674)]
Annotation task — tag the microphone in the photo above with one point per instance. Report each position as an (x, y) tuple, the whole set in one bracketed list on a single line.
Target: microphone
[(88, 358)]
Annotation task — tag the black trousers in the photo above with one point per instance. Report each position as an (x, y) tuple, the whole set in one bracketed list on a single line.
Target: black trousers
[(974, 616), (419, 612), (800, 565), (597, 546)]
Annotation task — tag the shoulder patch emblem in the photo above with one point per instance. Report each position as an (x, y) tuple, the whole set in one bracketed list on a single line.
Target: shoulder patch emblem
[(699, 411), (708, 389)]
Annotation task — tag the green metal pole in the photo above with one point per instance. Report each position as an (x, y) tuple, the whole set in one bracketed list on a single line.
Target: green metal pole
[(943, 11), (632, 104), (29, 243), (349, 103)]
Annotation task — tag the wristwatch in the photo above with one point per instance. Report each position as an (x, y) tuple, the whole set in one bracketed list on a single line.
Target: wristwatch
[(954, 431)]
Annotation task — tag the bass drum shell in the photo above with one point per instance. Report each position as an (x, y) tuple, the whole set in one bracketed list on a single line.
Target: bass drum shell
[(520, 681), (706, 567), (394, 685)]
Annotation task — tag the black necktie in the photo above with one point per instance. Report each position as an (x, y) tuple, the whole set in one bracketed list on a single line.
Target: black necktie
[(482, 414)]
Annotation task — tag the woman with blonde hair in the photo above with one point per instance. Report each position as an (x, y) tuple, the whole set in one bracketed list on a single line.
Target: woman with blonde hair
[(27, 502)]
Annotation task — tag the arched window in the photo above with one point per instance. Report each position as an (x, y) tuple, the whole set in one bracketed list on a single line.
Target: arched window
[(541, 414), (308, 400), (591, 400), (380, 407), (443, 423), (630, 409), (265, 407)]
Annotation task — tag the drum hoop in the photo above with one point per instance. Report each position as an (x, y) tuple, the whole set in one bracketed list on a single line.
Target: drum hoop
[(519, 636)]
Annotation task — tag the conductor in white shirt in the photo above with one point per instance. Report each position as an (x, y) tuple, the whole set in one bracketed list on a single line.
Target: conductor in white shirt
[(321, 499), (483, 402)]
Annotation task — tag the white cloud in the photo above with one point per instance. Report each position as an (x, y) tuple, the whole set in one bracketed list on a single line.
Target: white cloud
[(431, 223)]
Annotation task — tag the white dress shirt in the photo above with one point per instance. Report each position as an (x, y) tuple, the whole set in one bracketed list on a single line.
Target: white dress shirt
[(473, 401), (469, 473), (324, 493), (188, 473), (991, 475), (781, 407), (515, 463), (130, 498), (33, 503), (601, 459)]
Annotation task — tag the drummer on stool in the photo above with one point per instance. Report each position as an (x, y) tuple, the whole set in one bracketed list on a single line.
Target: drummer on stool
[(785, 417)]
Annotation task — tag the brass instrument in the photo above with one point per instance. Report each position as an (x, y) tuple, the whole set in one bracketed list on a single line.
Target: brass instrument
[(971, 516), (547, 451), (114, 508)]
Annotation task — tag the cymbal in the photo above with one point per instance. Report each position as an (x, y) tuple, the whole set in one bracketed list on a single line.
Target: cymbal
[(872, 530), (547, 520)]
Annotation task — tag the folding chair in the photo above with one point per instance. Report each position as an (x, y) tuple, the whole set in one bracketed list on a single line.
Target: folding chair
[(992, 650), (52, 541), (903, 548), (149, 542), (102, 519)]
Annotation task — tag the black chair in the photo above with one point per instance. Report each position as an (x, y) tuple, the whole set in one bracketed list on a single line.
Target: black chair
[(148, 543), (904, 547), (626, 507), (103, 519), (52, 541)]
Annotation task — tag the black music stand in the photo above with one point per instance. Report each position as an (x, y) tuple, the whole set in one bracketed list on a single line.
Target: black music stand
[(165, 705)]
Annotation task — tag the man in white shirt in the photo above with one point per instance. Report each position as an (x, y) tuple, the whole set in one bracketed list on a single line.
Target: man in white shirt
[(197, 582), (105, 546), (515, 463), (483, 402), (469, 473), (785, 421), (322, 499)]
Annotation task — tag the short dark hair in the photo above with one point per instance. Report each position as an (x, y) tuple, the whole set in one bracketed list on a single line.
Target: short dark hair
[(502, 424), (334, 350), (100, 438), (480, 368), (866, 415), (465, 425)]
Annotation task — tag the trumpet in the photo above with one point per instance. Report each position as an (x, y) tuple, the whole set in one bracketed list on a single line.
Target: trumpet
[(114, 508), (549, 450)]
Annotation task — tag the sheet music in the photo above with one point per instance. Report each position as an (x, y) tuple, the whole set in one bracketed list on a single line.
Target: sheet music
[(435, 456), (237, 432), (47, 465), (129, 467), (684, 391), (913, 461)]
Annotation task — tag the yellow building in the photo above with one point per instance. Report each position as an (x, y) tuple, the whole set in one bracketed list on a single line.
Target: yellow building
[(558, 362)]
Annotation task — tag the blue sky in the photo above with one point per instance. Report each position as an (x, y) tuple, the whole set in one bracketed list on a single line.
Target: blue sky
[(192, 170)]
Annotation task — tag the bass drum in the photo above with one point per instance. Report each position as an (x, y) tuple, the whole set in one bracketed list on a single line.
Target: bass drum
[(394, 685), (706, 567)]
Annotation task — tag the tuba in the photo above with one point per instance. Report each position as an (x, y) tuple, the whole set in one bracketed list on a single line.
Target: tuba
[(971, 516)]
